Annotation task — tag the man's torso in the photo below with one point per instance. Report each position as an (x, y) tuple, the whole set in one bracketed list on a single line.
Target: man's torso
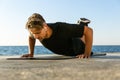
[(61, 40)]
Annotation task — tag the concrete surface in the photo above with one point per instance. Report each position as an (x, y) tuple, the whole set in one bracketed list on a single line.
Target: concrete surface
[(96, 68)]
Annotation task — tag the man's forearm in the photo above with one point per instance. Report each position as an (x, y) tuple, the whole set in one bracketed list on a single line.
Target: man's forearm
[(31, 45), (89, 41)]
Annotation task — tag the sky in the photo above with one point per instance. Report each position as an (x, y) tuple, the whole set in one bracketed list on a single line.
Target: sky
[(104, 16)]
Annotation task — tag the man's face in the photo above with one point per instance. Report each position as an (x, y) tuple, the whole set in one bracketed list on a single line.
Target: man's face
[(38, 33)]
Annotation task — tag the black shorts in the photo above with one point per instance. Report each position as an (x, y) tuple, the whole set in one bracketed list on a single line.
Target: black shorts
[(78, 46)]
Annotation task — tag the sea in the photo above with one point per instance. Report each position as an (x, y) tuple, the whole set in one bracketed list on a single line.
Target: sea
[(20, 50)]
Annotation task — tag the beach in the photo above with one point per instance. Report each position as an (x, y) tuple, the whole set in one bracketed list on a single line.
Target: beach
[(96, 68)]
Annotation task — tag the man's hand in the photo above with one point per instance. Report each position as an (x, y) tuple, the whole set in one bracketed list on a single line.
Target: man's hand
[(81, 56), (27, 55)]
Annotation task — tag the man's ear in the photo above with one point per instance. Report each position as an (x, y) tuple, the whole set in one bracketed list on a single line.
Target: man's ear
[(45, 26)]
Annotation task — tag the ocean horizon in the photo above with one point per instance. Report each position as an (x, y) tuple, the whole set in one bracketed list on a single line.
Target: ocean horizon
[(22, 49)]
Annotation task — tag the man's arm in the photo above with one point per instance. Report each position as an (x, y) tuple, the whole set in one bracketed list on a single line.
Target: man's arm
[(31, 47), (88, 33)]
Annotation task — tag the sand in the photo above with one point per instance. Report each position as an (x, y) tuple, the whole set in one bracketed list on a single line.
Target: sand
[(96, 68)]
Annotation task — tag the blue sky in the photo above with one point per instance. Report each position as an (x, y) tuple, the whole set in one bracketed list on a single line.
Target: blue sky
[(104, 16)]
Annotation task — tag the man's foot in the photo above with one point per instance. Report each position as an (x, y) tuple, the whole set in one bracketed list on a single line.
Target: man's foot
[(83, 21)]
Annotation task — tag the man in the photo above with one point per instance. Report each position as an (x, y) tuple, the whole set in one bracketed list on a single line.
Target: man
[(61, 38)]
